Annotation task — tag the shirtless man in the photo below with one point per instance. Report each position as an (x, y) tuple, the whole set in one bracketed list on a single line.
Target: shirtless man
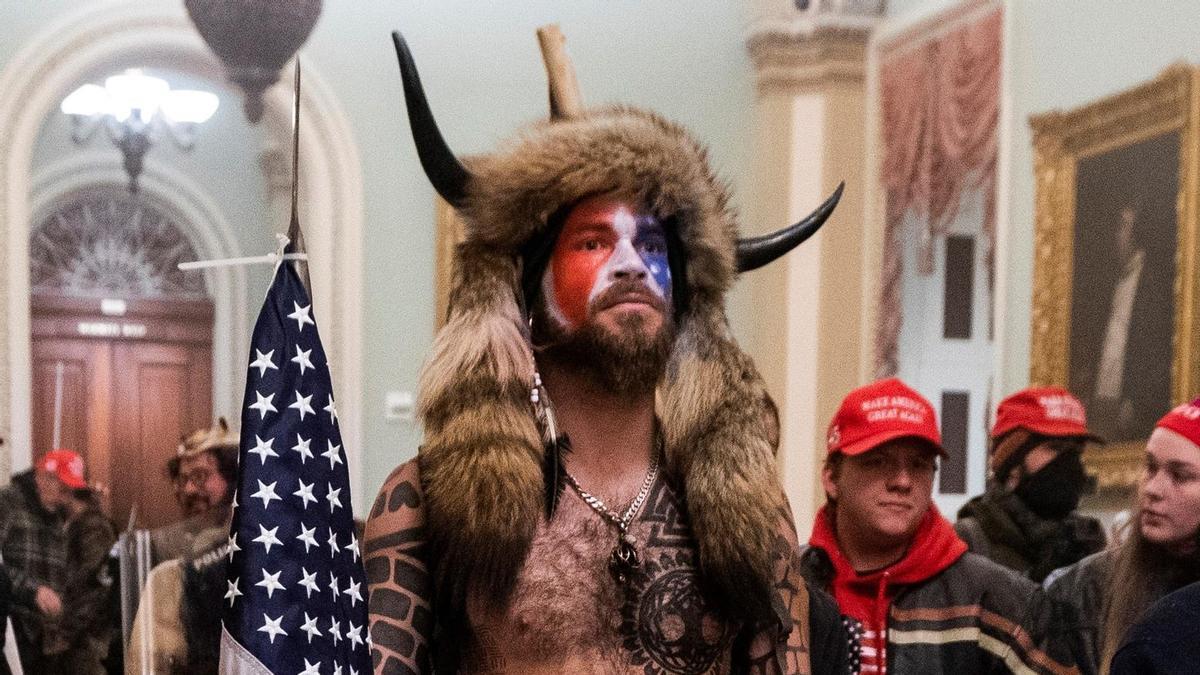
[(596, 491)]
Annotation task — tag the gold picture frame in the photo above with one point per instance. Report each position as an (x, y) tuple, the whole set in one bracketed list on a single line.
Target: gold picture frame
[(1068, 148)]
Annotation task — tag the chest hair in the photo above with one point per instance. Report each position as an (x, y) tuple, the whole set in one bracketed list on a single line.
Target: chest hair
[(567, 603)]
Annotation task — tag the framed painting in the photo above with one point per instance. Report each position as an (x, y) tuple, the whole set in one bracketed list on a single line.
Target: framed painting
[(1116, 285)]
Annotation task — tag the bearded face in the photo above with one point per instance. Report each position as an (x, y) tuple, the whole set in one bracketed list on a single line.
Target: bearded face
[(606, 295)]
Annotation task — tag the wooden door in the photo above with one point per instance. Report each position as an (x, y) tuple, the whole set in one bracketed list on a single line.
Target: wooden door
[(132, 386), (84, 410), (165, 392)]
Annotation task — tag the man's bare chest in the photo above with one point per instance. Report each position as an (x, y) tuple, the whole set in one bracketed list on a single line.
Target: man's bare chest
[(568, 608)]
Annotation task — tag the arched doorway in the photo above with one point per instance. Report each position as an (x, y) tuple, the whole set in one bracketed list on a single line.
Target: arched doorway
[(121, 34), (121, 344)]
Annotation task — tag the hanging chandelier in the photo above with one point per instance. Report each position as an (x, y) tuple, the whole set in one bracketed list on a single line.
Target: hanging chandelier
[(137, 110), (254, 39)]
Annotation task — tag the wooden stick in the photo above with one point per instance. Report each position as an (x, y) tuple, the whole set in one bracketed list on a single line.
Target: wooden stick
[(565, 101)]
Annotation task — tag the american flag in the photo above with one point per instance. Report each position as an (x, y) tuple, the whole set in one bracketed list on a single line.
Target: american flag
[(295, 599)]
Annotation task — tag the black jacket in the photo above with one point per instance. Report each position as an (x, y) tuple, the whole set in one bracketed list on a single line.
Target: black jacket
[(1166, 640), (998, 526), (973, 617), (1082, 589)]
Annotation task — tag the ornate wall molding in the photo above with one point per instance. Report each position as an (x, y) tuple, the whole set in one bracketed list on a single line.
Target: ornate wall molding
[(125, 34), (788, 60)]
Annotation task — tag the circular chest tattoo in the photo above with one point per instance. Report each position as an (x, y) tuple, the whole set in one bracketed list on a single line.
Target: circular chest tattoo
[(668, 625)]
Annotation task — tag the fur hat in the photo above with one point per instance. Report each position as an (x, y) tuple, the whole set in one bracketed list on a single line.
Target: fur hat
[(481, 462), (214, 438)]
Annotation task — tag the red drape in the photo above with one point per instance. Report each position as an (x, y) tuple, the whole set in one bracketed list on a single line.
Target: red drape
[(941, 101)]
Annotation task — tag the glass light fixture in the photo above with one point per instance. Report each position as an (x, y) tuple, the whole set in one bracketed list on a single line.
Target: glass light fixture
[(135, 110)]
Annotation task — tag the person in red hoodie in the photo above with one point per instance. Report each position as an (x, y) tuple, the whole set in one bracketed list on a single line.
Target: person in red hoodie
[(919, 602)]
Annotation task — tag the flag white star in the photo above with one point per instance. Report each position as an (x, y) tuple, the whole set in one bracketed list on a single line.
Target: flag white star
[(310, 668), (267, 537), (309, 582), (333, 454), (271, 627), (263, 449), (302, 359), (233, 592), (333, 546), (337, 669), (266, 493), (354, 634), (353, 546), (332, 410), (233, 547), (301, 316), (271, 582), (354, 593), (263, 405), (334, 631), (333, 586), (307, 535), (301, 447), (332, 497), (263, 362), (302, 404), (310, 627), (305, 493)]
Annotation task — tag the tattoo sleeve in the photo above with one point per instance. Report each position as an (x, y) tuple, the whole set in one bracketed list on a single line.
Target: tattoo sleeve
[(770, 652), (398, 576)]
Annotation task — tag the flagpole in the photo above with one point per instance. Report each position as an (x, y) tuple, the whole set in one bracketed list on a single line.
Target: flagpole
[(294, 233)]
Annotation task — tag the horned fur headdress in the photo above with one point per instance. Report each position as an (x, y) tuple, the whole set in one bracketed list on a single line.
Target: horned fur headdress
[(483, 455)]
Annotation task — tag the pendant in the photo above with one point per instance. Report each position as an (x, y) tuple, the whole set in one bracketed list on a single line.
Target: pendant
[(624, 560)]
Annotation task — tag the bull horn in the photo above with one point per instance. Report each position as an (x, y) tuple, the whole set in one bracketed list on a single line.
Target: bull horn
[(754, 252), (448, 176)]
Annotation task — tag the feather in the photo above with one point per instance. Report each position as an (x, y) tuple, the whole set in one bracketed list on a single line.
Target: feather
[(553, 473)]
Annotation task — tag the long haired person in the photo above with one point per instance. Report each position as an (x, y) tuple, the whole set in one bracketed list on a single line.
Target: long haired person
[(1110, 590)]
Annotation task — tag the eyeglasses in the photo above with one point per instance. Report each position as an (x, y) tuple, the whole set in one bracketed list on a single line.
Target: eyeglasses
[(198, 478)]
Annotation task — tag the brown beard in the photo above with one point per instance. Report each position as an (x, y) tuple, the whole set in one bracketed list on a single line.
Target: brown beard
[(630, 361)]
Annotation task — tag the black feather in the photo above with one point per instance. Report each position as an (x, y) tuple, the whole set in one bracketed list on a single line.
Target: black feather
[(553, 474)]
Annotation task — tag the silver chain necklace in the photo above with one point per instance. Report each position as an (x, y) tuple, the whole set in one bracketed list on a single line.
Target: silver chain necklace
[(624, 560)]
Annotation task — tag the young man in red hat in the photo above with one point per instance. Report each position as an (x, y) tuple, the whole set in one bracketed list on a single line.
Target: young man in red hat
[(920, 601), (1026, 519), (34, 549)]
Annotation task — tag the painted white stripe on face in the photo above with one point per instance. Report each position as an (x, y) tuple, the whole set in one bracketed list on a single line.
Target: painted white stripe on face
[(625, 261)]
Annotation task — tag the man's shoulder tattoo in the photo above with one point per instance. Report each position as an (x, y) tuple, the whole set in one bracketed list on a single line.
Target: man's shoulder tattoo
[(398, 577)]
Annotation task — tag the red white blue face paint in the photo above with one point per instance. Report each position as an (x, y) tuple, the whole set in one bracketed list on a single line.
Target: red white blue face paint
[(604, 241)]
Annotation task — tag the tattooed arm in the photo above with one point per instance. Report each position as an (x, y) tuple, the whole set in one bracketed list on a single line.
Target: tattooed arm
[(398, 576), (817, 642)]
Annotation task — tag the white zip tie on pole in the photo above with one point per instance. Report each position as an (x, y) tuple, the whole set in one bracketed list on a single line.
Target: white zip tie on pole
[(271, 258)]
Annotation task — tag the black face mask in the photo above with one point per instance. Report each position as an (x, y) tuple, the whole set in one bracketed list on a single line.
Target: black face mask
[(1054, 491)]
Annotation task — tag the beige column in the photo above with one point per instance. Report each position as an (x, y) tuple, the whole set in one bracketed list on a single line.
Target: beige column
[(808, 333)]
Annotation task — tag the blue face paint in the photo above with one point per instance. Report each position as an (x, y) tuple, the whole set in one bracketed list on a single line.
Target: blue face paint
[(651, 244)]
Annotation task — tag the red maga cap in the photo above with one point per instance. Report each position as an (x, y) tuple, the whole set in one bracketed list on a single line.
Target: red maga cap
[(1049, 411), (880, 412), (66, 464), (1184, 420)]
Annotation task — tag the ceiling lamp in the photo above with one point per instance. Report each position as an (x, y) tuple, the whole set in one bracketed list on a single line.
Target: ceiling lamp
[(254, 39), (135, 110)]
